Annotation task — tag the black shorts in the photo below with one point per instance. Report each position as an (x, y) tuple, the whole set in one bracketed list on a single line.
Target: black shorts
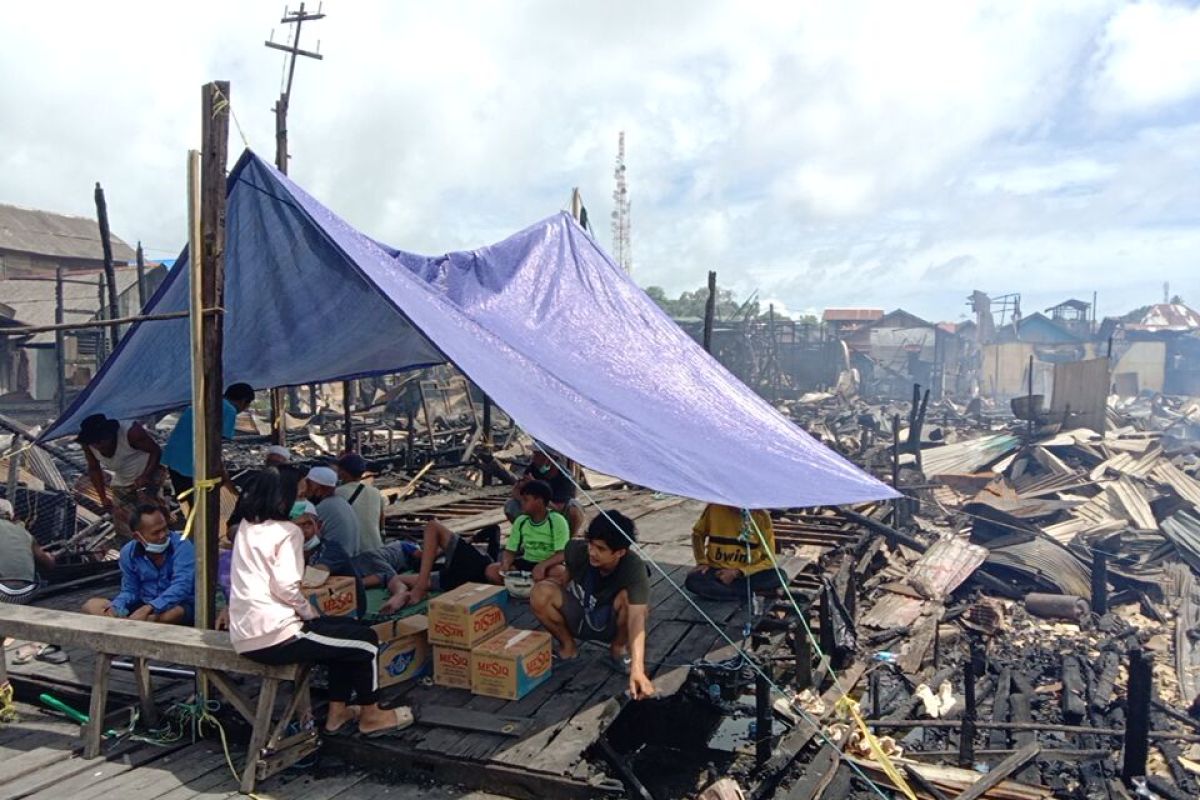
[(598, 625), (523, 565), (463, 564)]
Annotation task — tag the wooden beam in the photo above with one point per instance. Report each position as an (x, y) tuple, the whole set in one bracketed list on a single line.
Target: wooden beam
[(208, 396), (710, 308), (109, 275), (1000, 772), (97, 323)]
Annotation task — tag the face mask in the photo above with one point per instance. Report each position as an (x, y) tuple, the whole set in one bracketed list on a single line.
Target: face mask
[(161, 547), (543, 470), (312, 544)]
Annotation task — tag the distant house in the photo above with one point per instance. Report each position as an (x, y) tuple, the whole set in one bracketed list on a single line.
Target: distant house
[(1005, 366), (1157, 350), (1075, 316), (899, 349), (841, 321), (34, 245)]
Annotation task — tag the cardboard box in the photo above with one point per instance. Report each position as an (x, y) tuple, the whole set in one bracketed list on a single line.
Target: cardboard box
[(335, 598), (511, 664), (452, 666), (403, 649), (467, 615)]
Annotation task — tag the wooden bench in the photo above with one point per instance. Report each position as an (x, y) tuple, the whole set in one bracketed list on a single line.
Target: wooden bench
[(208, 652)]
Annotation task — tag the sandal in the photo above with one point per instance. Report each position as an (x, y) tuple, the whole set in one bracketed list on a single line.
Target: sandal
[(404, 719), (347, 728), (52, 654)]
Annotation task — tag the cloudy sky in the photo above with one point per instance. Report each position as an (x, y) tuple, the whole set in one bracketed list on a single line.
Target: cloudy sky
[(824, 154)]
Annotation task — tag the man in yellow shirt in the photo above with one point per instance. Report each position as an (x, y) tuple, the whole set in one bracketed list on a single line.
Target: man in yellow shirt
[(731, 550)]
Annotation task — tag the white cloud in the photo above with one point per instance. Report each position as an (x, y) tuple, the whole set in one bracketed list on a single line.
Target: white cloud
[(867, 153), (1149, 58)]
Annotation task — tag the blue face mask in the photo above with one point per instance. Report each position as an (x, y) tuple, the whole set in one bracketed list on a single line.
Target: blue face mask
[(156, 549), (312, 544)]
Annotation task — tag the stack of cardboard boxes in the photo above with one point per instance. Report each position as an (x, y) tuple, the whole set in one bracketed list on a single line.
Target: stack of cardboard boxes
[(473, 647)]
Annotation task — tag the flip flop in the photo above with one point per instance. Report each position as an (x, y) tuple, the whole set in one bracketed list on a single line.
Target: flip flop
[(404, 719), (52, 654), (619, 663), (347, 728)]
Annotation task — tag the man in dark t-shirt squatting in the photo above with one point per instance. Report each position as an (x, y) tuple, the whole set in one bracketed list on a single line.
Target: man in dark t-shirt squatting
[(605, 598)]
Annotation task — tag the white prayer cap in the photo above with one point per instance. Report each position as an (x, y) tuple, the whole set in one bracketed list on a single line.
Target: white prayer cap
[(281, 451), (6, 509), (323, 476)]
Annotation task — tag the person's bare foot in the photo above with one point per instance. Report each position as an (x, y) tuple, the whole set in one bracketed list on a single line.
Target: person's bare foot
[(375, 720), (566, 652), (416, 594)]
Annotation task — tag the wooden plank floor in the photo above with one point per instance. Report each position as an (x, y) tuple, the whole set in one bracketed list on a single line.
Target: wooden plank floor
[(41, 761), (566, 716)]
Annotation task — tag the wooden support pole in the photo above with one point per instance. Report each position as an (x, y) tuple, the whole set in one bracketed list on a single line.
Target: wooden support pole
[(347, 421), (1137, 716), (966, 735), (60, 343), (141, 277), (825, 620), (898, 503), (278, 425), (1099, 582), (710, 310), (207, 359), (106, 245), (802, 649), (876, 700), (762, 718)]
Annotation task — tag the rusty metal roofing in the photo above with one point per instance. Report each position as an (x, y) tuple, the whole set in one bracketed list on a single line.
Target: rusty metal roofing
[(851, 314), (1167, 317)]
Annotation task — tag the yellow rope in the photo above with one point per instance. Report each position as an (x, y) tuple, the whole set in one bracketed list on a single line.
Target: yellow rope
[(844, 703), (8, 711), (849, 707), (200, 485)]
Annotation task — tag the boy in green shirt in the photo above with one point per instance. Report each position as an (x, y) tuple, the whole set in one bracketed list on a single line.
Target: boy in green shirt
[(538, 538)]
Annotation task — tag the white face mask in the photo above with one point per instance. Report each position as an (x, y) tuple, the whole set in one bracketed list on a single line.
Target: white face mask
[(161, 547), (312, 544)]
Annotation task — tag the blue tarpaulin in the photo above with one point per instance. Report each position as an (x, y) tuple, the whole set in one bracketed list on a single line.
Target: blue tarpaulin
[(544, 322)]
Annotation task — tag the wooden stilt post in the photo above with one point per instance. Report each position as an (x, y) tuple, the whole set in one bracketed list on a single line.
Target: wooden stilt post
[(966, 736), (762, 718), (1137, 716), (710, 310), (347, 422), (208, 294), (109, 275), (141, 277), (60, 343), (278, 428), (1099, 582), (802, 649)]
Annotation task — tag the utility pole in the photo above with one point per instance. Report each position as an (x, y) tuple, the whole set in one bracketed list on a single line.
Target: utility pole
[(622, 246), (208, 276), (60, 343), (141, 277), (278, 426), (109, 275)]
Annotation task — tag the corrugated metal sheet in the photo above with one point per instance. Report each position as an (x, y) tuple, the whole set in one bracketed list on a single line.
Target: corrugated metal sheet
[(25, 230), (1168, 474), (1082, 387), (944, 566), (971, 456), (894, 611), (1183, 529), (1127, 496), (1043, 561)]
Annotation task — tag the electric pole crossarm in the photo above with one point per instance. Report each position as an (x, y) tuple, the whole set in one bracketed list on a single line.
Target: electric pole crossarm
[(290, 49)]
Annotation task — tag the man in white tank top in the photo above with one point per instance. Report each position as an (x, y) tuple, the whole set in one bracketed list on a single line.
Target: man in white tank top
[(131, 456)]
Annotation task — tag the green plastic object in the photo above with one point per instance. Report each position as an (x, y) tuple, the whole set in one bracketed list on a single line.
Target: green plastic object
[(60, 706)]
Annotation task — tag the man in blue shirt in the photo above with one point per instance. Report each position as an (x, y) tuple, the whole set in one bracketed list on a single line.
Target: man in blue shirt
[(177, 455), (158, 574)]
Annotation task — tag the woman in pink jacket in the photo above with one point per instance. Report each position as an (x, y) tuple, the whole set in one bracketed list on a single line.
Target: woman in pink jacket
[(272, 622)]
